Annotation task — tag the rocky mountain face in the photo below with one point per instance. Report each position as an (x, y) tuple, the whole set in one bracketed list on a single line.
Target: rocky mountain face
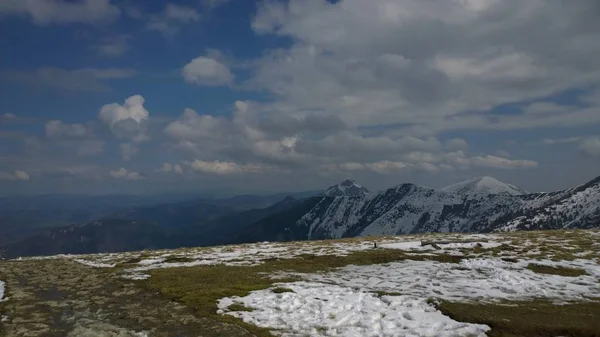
[(479, 205)]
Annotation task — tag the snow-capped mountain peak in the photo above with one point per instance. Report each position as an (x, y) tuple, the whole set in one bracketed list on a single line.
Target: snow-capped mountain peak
[(483, 186), (347, 188)]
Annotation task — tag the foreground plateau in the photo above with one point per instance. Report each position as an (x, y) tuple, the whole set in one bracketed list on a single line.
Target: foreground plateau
[(507, 284)]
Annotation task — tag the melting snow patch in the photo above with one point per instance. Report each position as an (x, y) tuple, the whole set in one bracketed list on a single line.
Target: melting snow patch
[(95, 264), (136, 276), (317, 309), (1, 291), (471, 279)]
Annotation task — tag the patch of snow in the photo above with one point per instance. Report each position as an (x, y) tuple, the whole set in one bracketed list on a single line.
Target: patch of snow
[(151, 261), (472, 279), (416, 245), (2, 285), (136, 276), (95, 264), (317, 309)]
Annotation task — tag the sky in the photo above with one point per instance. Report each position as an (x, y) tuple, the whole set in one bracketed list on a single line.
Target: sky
[(244, 96)]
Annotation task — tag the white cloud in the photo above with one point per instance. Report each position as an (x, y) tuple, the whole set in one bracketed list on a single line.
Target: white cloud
[(207, 71), (128, 150), (430, 66), (85, 79), (15, 175), (590, 146), (172, 18), (127, 120), (57, 129), (113, 46), (124, 174), (553, 141), (215, 167), (44, 12), (218, 167), (168, 168), (461, 160), (503, 153)]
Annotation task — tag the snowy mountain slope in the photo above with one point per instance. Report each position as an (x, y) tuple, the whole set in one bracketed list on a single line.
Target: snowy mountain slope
[(481, 205), (483, 186), (578, 207), (347, 188)]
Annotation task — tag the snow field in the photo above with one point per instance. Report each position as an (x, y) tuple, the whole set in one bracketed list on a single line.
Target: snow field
[(342, 303), (317, 309), (472, 279)]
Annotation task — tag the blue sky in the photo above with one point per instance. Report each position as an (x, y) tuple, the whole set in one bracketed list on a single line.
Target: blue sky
[(107, 96)]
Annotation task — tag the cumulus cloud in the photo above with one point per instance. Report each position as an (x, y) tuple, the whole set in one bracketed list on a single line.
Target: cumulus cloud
[(590, 146), (15, 175), (553, 141), (204, 70), (174, 16), (422, 65), (461, 160), (113, 46), (57, 129), (218, 167), (215, 167), (348, 145), (125, 174), (86, 79), (128, 150), (44, 12), (127, 120), (168, 168)]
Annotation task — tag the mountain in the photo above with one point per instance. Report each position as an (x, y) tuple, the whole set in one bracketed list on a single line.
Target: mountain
[(249, 201), (110, 235), (161, 226), (480, 205), (483, 186), (347, 188), (173, 216), (25, 216), (222, 230)]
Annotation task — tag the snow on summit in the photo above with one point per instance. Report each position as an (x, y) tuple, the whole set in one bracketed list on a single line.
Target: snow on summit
[(483, 186), (347, 188)]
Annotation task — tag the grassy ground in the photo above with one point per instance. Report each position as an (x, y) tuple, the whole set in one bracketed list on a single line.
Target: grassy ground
[(201, 287), (529, 318), (562, 271), (148, 304)]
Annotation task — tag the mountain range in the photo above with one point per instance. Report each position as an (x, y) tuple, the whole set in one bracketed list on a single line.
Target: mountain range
[(479, 205), (346, 209)]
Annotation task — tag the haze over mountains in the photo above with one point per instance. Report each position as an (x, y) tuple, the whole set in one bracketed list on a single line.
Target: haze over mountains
[(346, 209)]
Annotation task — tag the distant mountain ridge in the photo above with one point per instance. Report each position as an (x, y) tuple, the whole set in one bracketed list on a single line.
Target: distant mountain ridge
[(346, 209), (477, 205)]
